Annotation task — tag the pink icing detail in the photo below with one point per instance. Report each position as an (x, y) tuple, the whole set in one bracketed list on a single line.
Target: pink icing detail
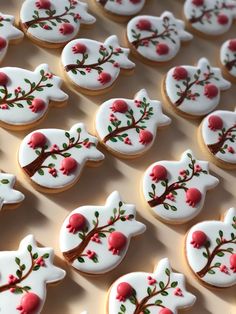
[(90, 254), (180, 73), (144, 25), (215, 123), (3, 79), (119, 106), (53, 172), (211, 91), (104, 78), (66, 29), (77, 222), (162, 49), (40, 261), (158, 173), (3, 43), (145, 137), (29, 303), (37, 139), (4, 106), (199, 238), (224, 269), (198, 3), (127, 141), (232, 261), (151, 281), (222, 19), (178, 292), (12, 279), (43, 4), (79, 48), (46, 27), (170, 197), (124, 291), (95, 238), (232, 45), (68, 165), (37, 105), (231, 150), (165, 311), (116, 241), (193, 196)]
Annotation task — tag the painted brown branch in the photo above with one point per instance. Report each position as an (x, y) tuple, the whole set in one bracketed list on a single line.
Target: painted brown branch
[(230, 64), (215, 148), (103, 2)]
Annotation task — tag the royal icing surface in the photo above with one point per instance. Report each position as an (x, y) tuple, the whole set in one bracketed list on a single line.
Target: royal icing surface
[(228, 56), (195, 90), (24, 275), (54, 158), (211, 250), (95, 239), (176, 190), (161, 292), (94, 65), (122, 7), (25, 96), (7, 33), (54, 21), (211, 17), (128, 126), (8, 195), (157, 38), (219, 135)]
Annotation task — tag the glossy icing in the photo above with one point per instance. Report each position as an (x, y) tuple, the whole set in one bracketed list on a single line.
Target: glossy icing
[(179, 195), (123, 8), (24, 276), (97, 65), (131, 129), (47, 157), (228, 56), (198, 91), (99, 245), (157, 38), (214, 262)]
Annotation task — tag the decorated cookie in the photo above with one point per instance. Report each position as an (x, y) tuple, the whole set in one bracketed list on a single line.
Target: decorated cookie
[(53, 158), (228, 58), (24, 275), (8, 33), (93, 66), (156, 38), (95, 239), (210, 17), (127, 127), (176, 190), (194, 91), (8, 196), (218, 137), (25, 96), (161, 292), (211, 251), (53, 23)]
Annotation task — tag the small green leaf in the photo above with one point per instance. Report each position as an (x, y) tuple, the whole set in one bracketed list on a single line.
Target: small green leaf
[(29, 248), (80, 259), (17, 260), (41, 172), (4, 181), (174, 284), (96, 214)]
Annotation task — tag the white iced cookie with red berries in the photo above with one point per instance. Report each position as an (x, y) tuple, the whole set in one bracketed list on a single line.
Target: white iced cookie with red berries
[(8, 33), (175, 190), (161, 292), (25, 96), (53, 159), (211, 251), (217, 136), (194, 91), (24, 276), (228, 58), (128, 127), (210, 17), (95, 239), (93, 66), (53, 23), (155, 38)]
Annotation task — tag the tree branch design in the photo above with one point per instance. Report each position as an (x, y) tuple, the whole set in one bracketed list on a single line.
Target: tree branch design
[(224, 136), (2, 19), (230, 63)]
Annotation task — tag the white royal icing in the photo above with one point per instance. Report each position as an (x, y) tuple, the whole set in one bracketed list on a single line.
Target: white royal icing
[(32, 268), (211, 17), (7, 33), (122, 131), (45, 24), (228, 57), (188, 94), (152, 292), (17, 105), (211, 261), (8, 195), (221, 142), (165, 29), (86, 69), (59, 144), (168, 197), (99, 227), (122, 7)]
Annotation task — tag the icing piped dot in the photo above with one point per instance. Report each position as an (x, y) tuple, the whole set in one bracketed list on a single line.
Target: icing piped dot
[(79, 48), (37, 105), (124, 291), (104, 78)]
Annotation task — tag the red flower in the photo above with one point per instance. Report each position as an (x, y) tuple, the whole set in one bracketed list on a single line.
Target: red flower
[(12, 279), (180, 73), (4, 79), (104, 78), (222, 19), (138, 103), (224, 269), (95, 238), (170, 197), (116, 241), (3, 43), (37, 105), (43, 4), (90, 254), (158, 173), (145, 137), (53, 172), (119, 105), (178, 292), (144, 25), (127, 141), (124, 291), (162, 49), (198, 3), (77, 222), (46, 27), (151, 281), (77, 16), (232, 261), (211, 91), (232, 45), (37, 139), (79, 48), (215, 123), (40, 261), (193, 197), (199, 238), (29, 303), (231, 150), (66, 29), (54, 148), (197, 168), (4, 106), (49, 75), (68, 165)]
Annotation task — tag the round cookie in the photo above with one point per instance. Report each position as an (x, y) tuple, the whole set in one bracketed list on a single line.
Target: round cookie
[(210, 17), (161, 292), (53, 23), (194, 91), (211, 251), (127, 127), (25, 96), (24, 276), (8, 33), (228, 58), (95, 239), (175, 190), (93, 66), (156, 39), (217, 136), (53, 159)]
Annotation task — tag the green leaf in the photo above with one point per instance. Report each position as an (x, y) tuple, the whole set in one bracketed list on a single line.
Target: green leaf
[(80, 259), (36, 267), (64, 145), (67, 134), (46, 255), (174, 284), (113, 139), (167, 271), (158, 302), (149, 291), (66, 154), (17, 260), (96, 214), (205, 254), (173, 208), (164, 293), (211, 272), (19, 273), (41, 172), (79, 130), (220, 254), (221, 233), (54, 156), (217, 264), (95, 259), (161, 284), (35, 256), (4, 181), (29, 248), (122, 308)]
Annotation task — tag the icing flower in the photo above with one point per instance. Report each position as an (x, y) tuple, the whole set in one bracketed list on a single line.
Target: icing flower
[(95, 238), (215, 123), (53, 172), (116, 241), (162, 49), (145, 137), (165, 311), (40, 261), (151, 281), (119, 106), (158, 173), (170, 197), (180, 73), (211, 91), (183, 173), (68, 165), (178, 292), (198, 3), (43, 4), (193, 196), (77, 222), (224, 269), (230, 150), (4, 106), (127, 141), (49, 75), (66, 29), (197, 168), (90, 254), (18, 90), (144, 25), (232, 45), (232, 261), (104, 78), (54, 148), (222, 19), (4, 79), (199, 238), (77, 17), (79, 48), (46, 27), (12, 279), (37, 139), (3, 43), (124, 291), (29, 303), (37, 105)]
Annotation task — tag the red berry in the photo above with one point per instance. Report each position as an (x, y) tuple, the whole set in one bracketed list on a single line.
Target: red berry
[(222, 19), (158, 173), (4, 79), (66, 29), (79, 48), (119, 106), (165, 311), (44, 4), (180, 73), (232, 261), (38, 104), (117, 240), (162, 49), (30, 303), (145, 137), (144, 25), (232, 45), (198, 3), (77, 222), (215, 123), (124, 290), (211, 91), (199, 238), (104, 78), (68, 165), (37, 139), (193, 196), (3, 43)]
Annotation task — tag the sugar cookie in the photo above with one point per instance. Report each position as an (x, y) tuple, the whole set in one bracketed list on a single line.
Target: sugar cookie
[(228, 58)]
